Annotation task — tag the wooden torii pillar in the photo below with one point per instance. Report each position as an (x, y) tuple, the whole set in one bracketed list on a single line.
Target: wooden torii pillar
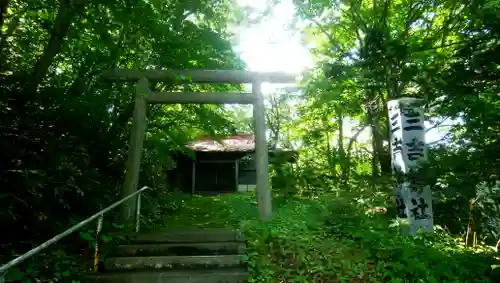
[(145, 96)]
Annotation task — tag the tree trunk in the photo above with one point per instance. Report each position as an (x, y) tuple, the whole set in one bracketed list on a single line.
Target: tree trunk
[(329, 153), (375, 157), (65, 16), (372, 121), (385, 161), (385, 158), (3, 10), (353, 139), (341, 151), (469, 240), (383, 155), (341, 139)]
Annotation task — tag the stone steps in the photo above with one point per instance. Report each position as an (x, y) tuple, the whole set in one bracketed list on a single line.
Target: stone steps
[(237, 275), (169, 249), (172, 262), (180, 256), (183, 236)]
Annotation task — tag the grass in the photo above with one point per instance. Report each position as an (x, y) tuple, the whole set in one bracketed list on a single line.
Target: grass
[(330, 239), (220, 211)]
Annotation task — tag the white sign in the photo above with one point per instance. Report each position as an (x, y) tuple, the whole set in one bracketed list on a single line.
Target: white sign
[(408, 148)]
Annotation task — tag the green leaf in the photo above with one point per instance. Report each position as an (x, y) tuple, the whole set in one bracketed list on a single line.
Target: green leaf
[(244, 258), (66, 273), (118, 226), (86, 236), (14, 274), (106, 238), (59, 253), (33, 272)]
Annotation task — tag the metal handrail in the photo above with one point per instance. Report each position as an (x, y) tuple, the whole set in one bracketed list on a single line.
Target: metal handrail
[(99, 216)]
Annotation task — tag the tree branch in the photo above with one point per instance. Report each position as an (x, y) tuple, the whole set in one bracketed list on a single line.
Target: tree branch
[(354, 138), (67, 12), (331, 40), (438, 124), (440, 140), (476, 41)]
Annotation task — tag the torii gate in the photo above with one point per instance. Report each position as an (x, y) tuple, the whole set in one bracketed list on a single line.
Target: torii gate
[(145, 96)]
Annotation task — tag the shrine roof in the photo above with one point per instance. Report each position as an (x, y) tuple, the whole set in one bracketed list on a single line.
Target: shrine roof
[(238, 143)]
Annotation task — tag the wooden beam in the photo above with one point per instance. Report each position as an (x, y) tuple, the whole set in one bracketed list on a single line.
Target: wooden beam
[(200, 98), (134, 151), (216, 161), (261, 154), (199, 76)]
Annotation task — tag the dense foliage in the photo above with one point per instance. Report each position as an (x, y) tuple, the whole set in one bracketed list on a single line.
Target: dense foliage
[(64, 130), (332, 239), (445, 52)]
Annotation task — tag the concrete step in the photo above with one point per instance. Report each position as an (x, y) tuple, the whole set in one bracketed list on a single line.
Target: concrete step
[(164, 276), (183, 236), (172, 262), (215, 248)]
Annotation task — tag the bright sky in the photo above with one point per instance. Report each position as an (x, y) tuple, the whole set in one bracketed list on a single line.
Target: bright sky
[(270, 46)]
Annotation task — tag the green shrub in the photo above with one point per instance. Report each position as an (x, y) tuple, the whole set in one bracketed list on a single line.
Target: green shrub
[(332, 239)]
